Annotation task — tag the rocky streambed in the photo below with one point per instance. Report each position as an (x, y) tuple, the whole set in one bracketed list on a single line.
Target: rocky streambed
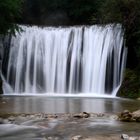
[(20, 118), (76, 126)]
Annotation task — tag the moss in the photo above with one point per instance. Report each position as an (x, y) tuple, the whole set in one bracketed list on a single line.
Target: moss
[(131, 85)]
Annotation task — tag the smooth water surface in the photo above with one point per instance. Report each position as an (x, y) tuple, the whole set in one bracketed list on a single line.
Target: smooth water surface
[(44, 104)]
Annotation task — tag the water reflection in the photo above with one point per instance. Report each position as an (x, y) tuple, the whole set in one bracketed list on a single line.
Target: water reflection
[(65, 105)]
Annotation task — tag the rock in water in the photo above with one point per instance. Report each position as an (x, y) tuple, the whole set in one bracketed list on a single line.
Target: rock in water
[(78, 137), (134, 138), (130, 117), (126, 116), (81, 115), (124, 137), (136, 115)]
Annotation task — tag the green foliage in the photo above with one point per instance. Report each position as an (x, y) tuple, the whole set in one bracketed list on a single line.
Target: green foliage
[(123, 11), (10, 10), (131, 85)]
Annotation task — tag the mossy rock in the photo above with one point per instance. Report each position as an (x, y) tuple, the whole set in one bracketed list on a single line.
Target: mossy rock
[(131, 85)]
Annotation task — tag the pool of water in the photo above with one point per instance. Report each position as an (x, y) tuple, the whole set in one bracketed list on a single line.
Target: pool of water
[(64, 129), (36, 104)]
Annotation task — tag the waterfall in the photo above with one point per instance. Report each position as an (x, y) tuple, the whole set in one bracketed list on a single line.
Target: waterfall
[(73, 60)]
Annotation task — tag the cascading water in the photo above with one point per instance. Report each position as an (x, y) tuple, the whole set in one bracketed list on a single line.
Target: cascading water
[(87, 60)]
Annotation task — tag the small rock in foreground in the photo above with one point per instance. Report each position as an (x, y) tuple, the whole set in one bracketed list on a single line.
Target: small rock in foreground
[(78, 137), (126, 137)]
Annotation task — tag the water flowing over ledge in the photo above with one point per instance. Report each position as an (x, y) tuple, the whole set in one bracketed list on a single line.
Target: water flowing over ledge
[(66, 61), (70, 95)]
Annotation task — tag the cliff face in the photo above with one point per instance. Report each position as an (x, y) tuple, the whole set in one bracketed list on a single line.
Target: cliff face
[(55, 18), (131, 85), (1, 52)]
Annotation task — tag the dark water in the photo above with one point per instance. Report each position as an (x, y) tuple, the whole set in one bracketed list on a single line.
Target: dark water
[(28, 104)]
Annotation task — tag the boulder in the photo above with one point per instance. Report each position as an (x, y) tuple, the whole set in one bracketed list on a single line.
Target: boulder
[(82, 115), (130, 117), (136, 115), (126, 116)]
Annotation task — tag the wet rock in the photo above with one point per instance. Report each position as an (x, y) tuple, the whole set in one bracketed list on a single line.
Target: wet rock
[(136, 115), (93, 115), (78, 137), (52, 138), (126, 116), (32, 116), (11, 118), (6, 121), (113, 117), (100, 115), (134, 138), (124, 137), (1, 121), (130, 117), (51, 116), (82, 115), (44, 116), (20, 119)]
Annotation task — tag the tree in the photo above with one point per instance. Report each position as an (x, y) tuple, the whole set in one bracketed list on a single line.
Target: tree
[(10, 11)]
